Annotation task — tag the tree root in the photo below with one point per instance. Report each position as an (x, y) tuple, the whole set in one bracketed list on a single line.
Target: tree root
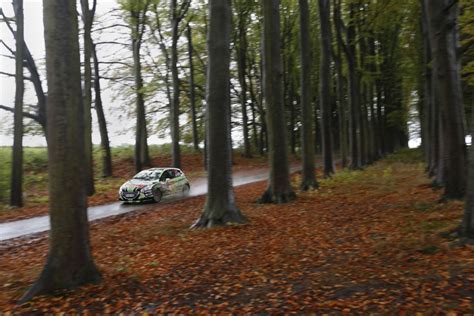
[(56, 278), (277, 198), (231, 217), (309, 185)]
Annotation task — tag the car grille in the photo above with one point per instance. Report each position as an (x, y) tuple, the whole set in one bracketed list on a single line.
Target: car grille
[(130, 194)]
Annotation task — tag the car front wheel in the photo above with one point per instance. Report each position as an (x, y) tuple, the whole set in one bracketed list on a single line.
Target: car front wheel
[(186, 190), (157, 195)]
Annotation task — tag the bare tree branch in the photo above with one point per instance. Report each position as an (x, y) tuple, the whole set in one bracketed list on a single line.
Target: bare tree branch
[(13, 75), (112, 42), (109, 27), (115, 63), (7, 47), (25, 114)]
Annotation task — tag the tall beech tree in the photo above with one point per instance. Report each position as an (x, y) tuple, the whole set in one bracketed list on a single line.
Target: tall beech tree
[(176, 16), (349, 48), (308, 179), (243, 16), (88, 19), (69, 263), (340, 95), (467, 225), (137, 11), (104, 134), (325, 85), (442, 26), (431, 136), (16, 188), (192, 88), (279, 188), (220, 207)]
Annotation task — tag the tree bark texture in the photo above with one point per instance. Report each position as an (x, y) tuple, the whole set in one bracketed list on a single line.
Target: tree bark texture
[(242, 69), (16, 185), (87, 18), (341, 97), (141, 145), (69, 262), (467, 225), (325, 85), (279, 189), (442, 17), (192, 93), (220, 207), (104, 135), (349, 49), (354, 94), (308, 179), (174, 108)]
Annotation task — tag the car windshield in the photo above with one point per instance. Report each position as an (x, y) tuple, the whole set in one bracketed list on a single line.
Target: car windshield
[(147, 175)]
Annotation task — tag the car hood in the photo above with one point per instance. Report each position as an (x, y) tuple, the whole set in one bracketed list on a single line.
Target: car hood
[(136, 184)]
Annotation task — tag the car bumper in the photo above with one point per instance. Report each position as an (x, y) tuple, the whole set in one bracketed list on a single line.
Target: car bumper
[(136, 198)]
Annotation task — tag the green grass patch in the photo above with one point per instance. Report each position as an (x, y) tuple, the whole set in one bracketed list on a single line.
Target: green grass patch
[(406, 156), (5, 158)]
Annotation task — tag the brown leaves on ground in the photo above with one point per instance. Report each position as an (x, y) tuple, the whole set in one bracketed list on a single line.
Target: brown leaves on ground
[(367, 241)]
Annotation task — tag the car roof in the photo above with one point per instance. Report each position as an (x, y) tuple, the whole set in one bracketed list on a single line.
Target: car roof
[(162, 169)]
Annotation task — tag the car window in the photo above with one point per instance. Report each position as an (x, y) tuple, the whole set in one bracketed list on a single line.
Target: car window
[(166, 175), (143, 175), (178, 173)]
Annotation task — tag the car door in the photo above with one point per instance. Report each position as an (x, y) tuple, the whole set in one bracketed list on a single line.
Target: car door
[(174, 181), (166, 181), (180, 181)]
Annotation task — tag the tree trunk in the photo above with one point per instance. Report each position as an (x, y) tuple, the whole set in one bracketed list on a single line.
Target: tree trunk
[(308, 178), (104, 135), (69, 262), (220, 208), (354, 93), (192, 94), (341, 100), (142, 157), (241, 49), (16, 187), (174, 109), (430, 140), (87, 18), (279, 189), (374, 93), (292, 103), (443, 36), (467, 224), (325, 86)]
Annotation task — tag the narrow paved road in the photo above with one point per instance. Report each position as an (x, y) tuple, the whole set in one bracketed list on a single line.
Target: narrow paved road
[(39, 224)]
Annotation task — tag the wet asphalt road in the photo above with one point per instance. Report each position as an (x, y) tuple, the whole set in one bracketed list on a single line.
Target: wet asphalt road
[(22, 228)]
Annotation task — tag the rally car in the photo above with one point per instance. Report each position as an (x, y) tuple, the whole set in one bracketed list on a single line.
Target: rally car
[(152, 184)]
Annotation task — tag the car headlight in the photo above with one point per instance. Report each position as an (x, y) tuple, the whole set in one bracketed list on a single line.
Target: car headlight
[(147, 189)]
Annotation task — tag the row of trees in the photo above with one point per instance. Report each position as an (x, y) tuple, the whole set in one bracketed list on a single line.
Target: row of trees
[(371, 76)]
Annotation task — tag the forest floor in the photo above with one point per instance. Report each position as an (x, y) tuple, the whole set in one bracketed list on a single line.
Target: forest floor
[(366, 241), (36, 184)]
